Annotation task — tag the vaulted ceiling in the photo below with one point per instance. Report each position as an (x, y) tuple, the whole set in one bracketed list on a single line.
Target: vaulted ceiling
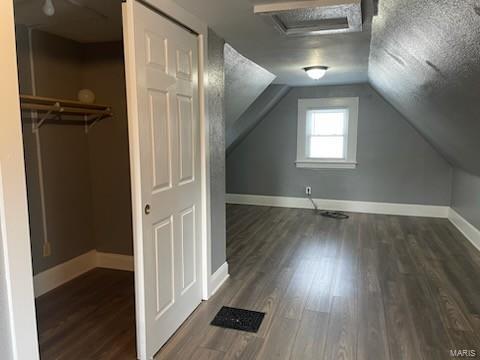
[(244, 82), (425, 60), (423, 56)]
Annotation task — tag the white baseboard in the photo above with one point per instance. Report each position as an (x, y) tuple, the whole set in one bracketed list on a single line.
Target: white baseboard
[(115, 261), (58, 275), (467, 229), (218, 278), (341, 205), (50, 279)]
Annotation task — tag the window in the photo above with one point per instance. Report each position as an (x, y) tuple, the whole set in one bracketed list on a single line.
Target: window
[(327, 133)]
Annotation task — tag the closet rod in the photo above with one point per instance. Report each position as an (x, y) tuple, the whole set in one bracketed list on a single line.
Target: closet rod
[(65, 109), (63, 102), (92, 113)]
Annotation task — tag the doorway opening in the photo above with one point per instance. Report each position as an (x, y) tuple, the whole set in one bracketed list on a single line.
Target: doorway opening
[(108, 183), (75, 130)]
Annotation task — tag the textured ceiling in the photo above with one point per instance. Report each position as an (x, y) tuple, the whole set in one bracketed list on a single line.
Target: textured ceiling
[(254, 114), (425, 60), (244, 82), (255, 37), (424, 55), (74, 22)]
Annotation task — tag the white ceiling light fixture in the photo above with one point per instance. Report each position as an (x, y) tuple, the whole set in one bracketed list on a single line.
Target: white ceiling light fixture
[(48, 8), (316, 72)]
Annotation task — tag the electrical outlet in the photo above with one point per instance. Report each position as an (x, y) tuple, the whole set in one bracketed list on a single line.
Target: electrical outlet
[(308, 190), (47, 250)]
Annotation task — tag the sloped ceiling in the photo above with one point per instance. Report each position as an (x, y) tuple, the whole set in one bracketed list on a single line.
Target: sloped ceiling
[(255, 113), (424, 56), (425, 60), (244, 82)]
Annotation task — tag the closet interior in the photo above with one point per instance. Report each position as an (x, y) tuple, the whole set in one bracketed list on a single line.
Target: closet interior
[(74, 115)]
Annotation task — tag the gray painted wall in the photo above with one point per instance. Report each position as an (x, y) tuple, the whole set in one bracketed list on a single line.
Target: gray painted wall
[(466, 196), (216, 117), (103, 72), (395, 165), (86, 177), (64, 150)]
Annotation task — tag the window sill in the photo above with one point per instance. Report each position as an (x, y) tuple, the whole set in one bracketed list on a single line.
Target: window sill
[(321, 164)]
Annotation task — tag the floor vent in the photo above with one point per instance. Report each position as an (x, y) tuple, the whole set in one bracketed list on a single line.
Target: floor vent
[(314, 17), (238, 319)]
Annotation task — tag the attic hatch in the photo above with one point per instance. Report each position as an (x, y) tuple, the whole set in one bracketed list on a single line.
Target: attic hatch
[(314, 17)]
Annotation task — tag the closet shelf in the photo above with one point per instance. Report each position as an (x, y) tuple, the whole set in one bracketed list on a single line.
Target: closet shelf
[(92, 113)]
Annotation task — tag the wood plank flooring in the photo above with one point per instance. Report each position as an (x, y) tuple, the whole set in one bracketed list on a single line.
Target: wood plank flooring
[(90, 317), (371, 287)]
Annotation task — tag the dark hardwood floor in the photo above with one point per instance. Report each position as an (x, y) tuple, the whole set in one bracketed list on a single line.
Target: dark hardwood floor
[(90, 317), (371, 287)]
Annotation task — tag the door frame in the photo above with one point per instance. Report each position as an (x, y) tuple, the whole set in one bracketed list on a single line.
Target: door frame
[(14, 223), (16, 262)]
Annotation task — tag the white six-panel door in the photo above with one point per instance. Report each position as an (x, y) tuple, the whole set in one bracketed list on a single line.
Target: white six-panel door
[(162, 91)]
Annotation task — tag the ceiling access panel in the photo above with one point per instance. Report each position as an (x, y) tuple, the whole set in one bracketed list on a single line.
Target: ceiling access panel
[(315, 17)]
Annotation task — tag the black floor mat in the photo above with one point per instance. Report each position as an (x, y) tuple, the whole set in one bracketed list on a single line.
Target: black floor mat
[(238, 319)]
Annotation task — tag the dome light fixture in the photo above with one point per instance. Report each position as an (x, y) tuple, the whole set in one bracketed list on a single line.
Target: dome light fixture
[(48, 8), (316, 72)]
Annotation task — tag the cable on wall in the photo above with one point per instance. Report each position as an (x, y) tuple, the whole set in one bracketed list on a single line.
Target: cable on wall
[(330, 214)]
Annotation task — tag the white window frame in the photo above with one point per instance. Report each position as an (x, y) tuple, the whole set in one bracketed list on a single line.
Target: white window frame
[(350, 159)]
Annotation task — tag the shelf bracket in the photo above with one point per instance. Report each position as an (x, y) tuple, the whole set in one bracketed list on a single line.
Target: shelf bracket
[(39, 123), (90, 123)]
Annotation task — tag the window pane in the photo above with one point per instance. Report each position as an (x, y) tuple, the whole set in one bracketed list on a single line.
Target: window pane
[(327, 147), (327, 122)]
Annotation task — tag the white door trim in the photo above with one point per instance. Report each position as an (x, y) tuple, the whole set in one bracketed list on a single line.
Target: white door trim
[(181, 16), (16, 264)]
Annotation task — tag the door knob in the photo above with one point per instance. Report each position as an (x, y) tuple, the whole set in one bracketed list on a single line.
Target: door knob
[(147, 209)]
